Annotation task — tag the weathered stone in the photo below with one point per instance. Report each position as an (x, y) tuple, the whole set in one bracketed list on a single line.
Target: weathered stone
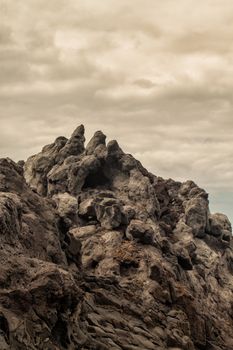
[(140, 231), (184, 260), (98, 253), (97, 140), (67, 205), (75, 145), (218, 224), (87, 208), (37, 167), (79, 232), (108, 213), (73, 250), (196, 215), (128, 213)]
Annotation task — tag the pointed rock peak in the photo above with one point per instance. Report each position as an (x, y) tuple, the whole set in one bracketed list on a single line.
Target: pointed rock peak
[(60, 142), (61, 139), (79, 131), (75, 144), (77, 140), (99, 134), (114, 148), (98, 139)]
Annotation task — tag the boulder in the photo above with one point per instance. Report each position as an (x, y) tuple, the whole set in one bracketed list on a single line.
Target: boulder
[(109, 213), (87, 208), (67, 205), (219, 224), (196, 216), (140, 231)]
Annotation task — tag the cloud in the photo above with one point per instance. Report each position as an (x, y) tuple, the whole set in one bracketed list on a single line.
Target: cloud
[(155, 75), (5, 35)]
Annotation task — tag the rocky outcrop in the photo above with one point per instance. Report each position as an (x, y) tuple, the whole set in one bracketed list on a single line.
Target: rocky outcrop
[(98, 253)]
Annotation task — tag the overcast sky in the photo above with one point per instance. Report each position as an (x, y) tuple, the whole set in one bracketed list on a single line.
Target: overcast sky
[(156, 75)]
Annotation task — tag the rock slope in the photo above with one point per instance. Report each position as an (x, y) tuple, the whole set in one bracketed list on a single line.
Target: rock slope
[(98, 253)]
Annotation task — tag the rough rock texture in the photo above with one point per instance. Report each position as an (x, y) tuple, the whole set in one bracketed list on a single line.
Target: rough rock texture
[(97, 253)]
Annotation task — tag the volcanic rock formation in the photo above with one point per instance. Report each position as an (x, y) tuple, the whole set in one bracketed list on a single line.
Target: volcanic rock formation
[(98, 253)]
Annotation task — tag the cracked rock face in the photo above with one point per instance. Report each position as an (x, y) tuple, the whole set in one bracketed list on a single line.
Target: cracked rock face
[(98, 253)]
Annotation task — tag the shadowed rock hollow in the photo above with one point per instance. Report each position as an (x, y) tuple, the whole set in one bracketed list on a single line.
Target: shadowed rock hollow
[(98, 253)]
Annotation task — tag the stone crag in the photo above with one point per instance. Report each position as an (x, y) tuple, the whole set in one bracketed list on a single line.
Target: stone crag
[(98, 253)]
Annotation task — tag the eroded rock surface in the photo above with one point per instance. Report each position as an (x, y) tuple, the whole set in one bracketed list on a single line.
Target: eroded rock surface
[(98, 253)]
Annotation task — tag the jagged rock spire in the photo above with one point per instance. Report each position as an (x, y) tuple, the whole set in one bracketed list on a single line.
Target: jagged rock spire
[(98, 139), (113, 148), (75, 145)]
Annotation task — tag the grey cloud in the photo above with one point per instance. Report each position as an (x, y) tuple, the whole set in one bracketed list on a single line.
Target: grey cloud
[(203, 42), (156, 75), (144, 83), (5, 35)]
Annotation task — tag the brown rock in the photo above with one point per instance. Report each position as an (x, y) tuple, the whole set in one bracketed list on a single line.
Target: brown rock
[(98, 253)]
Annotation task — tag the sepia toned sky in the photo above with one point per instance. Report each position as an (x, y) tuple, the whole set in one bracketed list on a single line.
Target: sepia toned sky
[(156, 75)]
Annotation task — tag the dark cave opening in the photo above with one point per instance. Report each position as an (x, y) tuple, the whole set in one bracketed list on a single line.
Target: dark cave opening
[(4, 327), (94, 264), (96, 179), (60, 333), (128, 267)]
